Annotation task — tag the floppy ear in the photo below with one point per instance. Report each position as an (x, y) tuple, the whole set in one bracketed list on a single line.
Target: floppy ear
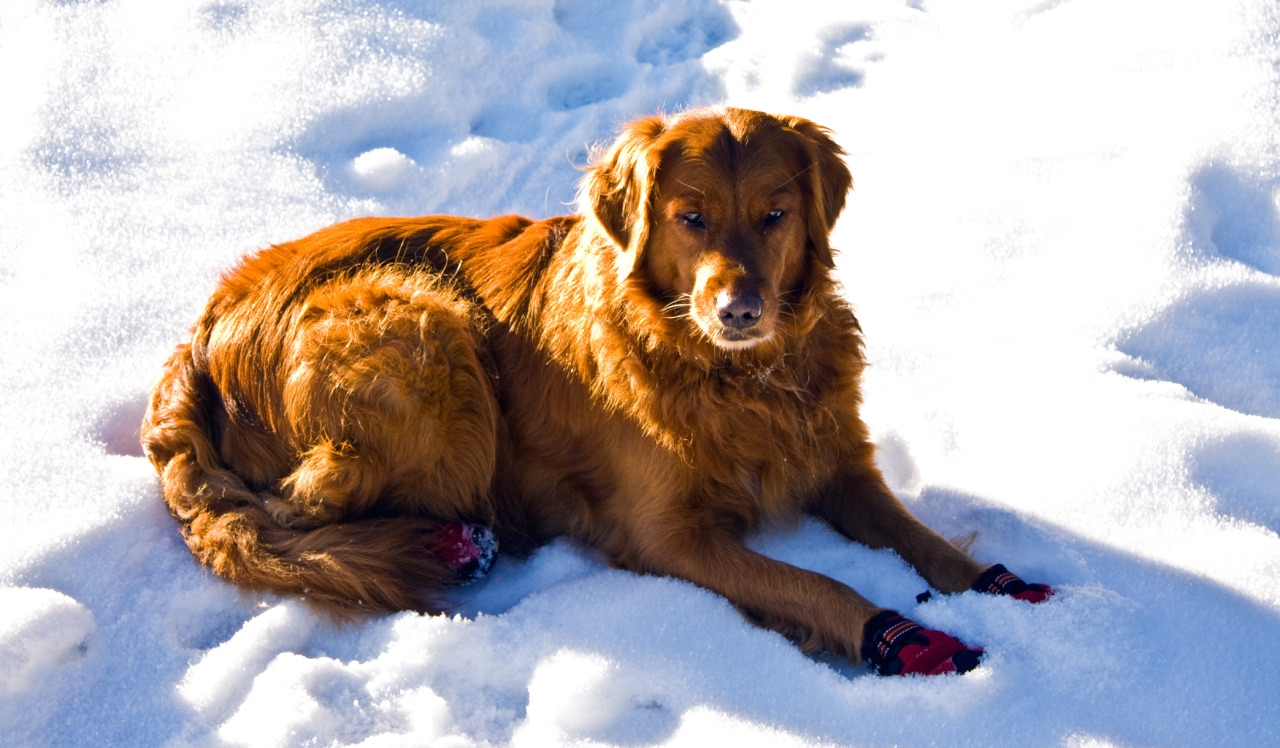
[(618, 188), (828, 183)]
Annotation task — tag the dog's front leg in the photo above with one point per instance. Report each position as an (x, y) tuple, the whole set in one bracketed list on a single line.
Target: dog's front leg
[(818, 612), (859, 505)]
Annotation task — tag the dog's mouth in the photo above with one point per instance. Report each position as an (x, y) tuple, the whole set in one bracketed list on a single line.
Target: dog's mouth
[(738, 340), (728, 338)]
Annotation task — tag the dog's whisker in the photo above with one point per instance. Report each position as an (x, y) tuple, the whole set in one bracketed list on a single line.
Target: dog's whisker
[(794, 177), (683, 301), (678, 308), (691, 187)]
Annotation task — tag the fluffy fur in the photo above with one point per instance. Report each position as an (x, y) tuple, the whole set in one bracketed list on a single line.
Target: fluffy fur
[(654, 377)]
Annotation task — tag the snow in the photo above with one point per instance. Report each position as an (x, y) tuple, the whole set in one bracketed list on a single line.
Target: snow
[(1064, 247), (40, 630)]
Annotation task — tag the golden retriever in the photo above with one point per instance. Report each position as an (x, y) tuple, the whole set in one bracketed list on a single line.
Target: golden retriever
[(654, 378)]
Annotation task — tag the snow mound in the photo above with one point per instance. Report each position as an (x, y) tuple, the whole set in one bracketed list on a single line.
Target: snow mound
[(383, 169), (40, 631)]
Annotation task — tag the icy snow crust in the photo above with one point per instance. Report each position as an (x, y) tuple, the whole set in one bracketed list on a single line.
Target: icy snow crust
[(1064, 248)]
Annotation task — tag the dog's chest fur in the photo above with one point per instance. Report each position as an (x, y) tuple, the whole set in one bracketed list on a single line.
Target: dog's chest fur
[(752, 438)]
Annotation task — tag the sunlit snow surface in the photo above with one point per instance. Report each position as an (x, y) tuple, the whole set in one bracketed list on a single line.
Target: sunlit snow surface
[(1064, 247)]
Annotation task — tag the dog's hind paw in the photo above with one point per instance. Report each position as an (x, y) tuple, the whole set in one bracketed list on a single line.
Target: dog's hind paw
[(1000, 581), (467, 549), (894, 645)]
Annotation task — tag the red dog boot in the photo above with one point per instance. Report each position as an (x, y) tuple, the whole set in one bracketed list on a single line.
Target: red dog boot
[(1000, 581), (894, 645), (467, 549)]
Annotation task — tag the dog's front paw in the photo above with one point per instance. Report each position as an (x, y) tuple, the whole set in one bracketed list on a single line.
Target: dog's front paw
[(894, 645), (1000, 581)]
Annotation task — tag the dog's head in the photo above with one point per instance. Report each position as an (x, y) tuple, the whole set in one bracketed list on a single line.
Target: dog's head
[(722, 216)]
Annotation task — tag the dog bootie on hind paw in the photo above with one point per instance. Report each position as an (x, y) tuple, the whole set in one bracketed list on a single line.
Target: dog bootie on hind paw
[(1000, 581), (894, 645), (467, 549)]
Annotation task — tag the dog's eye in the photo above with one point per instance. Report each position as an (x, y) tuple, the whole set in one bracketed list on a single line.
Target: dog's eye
[(693, 219), (773, 217)]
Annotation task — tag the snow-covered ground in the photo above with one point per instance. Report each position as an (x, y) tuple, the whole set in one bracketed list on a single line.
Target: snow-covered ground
[(1064, 246)]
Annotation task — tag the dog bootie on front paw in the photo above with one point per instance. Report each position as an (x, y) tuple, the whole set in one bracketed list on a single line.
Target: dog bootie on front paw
[(467, 549), (1000, 581), (894, 645)]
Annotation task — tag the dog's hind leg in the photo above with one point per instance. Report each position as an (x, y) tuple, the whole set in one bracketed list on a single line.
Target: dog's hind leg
[(392, 419), (391, 402), (331, 480)]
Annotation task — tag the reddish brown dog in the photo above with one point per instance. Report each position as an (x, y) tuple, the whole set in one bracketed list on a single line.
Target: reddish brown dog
[(654, 378)]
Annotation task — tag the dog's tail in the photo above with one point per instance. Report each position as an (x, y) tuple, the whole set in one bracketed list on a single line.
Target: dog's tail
[(365, 566)]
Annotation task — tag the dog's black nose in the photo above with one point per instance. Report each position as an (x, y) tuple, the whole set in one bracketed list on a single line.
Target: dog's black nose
[(739, 311)]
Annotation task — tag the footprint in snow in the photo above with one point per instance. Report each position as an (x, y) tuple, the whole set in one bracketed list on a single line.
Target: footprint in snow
[(1221, 343), (1235, 215), (1242, 472), (843, 51)]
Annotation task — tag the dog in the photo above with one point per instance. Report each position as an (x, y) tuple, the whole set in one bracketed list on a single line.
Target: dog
[(360, 412)]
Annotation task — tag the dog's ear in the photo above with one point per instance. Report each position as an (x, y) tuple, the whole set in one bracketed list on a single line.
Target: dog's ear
[(828, 183), (618, 190)]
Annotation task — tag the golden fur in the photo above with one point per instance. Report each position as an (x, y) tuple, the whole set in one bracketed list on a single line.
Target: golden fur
[(654, 378)]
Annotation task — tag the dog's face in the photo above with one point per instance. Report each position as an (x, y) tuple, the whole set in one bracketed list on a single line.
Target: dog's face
[(723, 216)]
